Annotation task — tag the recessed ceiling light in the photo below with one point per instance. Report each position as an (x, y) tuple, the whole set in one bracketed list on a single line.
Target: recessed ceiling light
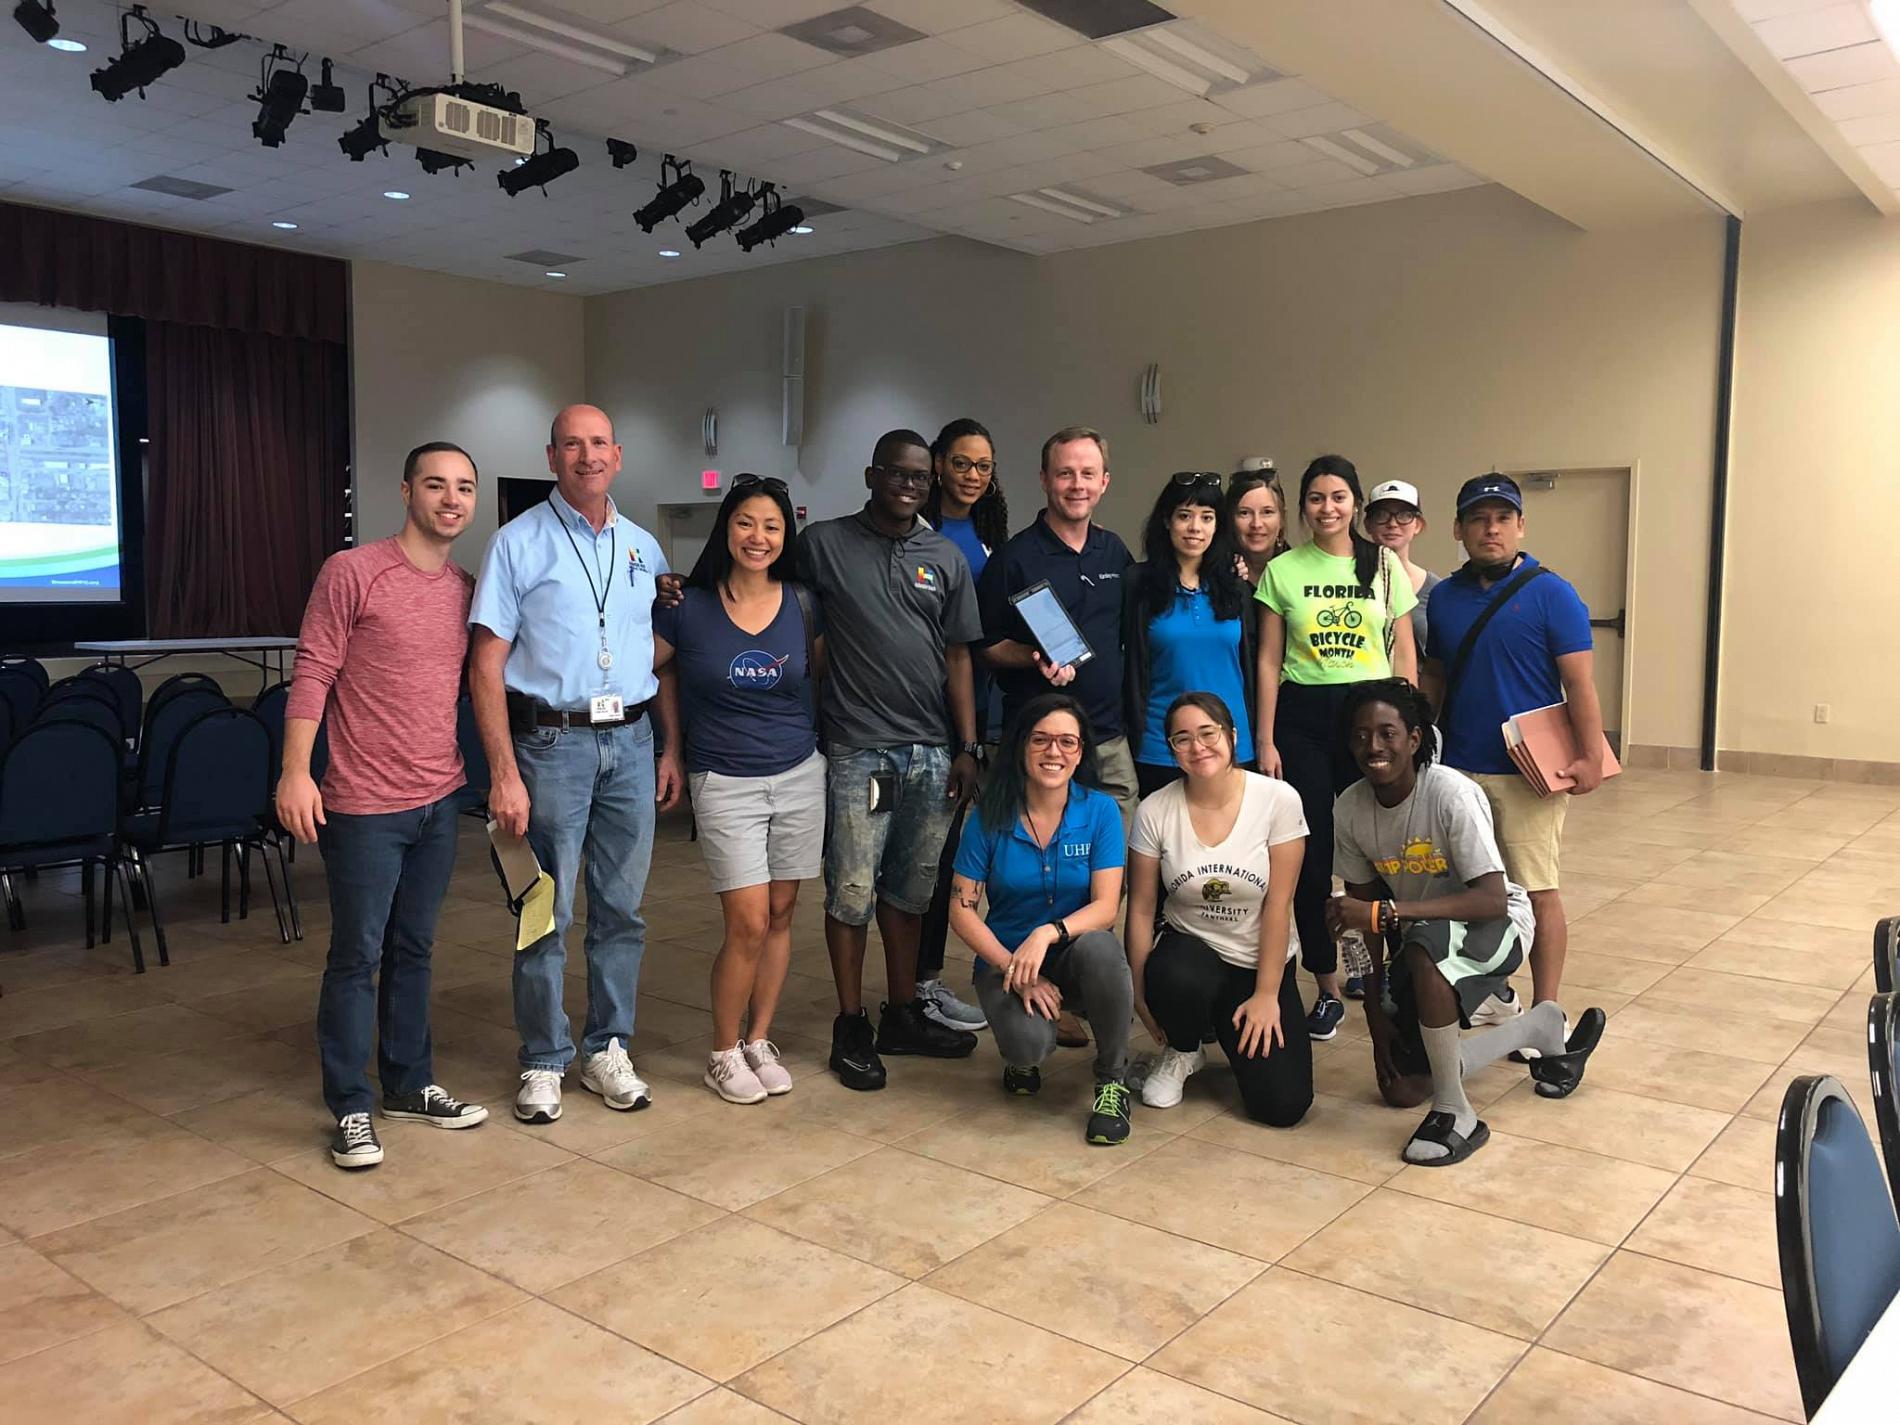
[(397, 194), (554, 274), (803, 230), (65, 46), (286, 226), (669, 252)]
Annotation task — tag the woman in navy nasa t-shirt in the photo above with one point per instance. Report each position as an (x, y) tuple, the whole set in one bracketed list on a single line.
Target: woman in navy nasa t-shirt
[(740, 648)]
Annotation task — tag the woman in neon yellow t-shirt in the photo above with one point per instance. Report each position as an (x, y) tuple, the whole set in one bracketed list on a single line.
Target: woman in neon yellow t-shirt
[(1334, 614)]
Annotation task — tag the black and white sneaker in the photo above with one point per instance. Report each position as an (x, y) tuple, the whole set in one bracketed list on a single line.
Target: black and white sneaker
[(854, 1052), (355, 1145), (432, 1106), (1323, 1021)]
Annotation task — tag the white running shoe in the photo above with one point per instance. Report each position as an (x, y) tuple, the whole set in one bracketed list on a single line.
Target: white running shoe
[(539, 1100), (610, 1074), (729, 1076), (949, 1011), (762, 1056), (1498, 1009), (1164, 1083)]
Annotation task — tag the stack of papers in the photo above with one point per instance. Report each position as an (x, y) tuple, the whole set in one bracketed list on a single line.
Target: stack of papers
[(1542, 743)]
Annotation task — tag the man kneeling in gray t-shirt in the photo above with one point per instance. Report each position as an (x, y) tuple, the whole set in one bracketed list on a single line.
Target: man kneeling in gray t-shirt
[(1424, 878)]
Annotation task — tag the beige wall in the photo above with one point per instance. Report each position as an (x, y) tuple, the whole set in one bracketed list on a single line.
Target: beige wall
[(1427, 339), (1815, 498), (436, 357)]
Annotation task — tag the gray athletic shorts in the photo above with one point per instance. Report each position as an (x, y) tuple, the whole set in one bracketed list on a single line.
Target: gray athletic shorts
[(758, 829)]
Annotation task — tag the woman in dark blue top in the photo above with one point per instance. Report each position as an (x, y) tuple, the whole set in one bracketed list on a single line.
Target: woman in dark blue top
[(1186, 623), (747, 644), (1047, 849)]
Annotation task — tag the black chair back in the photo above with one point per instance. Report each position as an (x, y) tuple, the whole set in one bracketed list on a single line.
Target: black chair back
[(80, 688), (59, 792), (20, 693), (163, 722), (1835, 1226), (217, 779), (126, 688), (6, 724), (179, 683), (1883, 1045), (95, 712), (32, 667), (1887, 954)]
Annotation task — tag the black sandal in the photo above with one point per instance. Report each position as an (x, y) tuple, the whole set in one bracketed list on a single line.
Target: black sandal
[(1437, 1129), (1557, 1075)]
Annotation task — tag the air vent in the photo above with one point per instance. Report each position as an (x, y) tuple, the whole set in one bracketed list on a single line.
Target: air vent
[(852, 31), (181, 187), (1186, 172), (1098, 19)]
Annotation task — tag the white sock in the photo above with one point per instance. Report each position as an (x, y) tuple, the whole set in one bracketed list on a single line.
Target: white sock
[(1448, 1089), (1540, 1028)]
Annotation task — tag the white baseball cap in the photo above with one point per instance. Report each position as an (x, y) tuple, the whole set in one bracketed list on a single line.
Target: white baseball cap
[(1395, 490)]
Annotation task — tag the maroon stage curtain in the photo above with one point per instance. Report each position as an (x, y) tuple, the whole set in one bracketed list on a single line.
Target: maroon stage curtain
[(247, 468)]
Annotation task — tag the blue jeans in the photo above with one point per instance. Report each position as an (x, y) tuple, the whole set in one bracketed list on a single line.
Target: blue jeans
[(889, 855), (590, 807), (387, 874)]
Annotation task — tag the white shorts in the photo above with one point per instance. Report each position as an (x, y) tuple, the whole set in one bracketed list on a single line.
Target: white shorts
[(758, 829)]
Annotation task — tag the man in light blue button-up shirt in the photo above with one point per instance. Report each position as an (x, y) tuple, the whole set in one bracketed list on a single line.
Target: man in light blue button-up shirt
[(561, 672)]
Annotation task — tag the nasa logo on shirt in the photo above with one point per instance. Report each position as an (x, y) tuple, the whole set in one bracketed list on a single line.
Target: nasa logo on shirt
[(756, 670)]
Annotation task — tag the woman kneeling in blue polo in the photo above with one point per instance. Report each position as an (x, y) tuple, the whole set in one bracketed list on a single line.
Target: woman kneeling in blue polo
[(1047, 848)]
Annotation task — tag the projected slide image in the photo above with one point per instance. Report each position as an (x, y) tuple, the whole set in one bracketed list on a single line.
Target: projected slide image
[(59, 520)]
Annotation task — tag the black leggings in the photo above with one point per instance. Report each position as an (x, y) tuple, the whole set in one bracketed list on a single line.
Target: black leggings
[(1315, 762), (1187, 986)]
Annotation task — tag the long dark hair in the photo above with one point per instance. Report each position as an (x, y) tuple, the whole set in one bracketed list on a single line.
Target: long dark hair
[(1004, 794), (713, 569), (1414, 710), (1227, 592), (989, 516), (1365, 554)]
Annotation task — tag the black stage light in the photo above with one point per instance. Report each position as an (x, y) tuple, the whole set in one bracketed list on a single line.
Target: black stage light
[(37, 19), (676, 192), (621, 152), (777, 221), (729, 212), (539, 169), (327, 97), (434, 161), (138, 64), (365, 137), (280, 95)]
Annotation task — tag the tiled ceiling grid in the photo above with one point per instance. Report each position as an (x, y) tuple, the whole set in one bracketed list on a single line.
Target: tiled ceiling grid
[(1840, 58), (1006, 127)]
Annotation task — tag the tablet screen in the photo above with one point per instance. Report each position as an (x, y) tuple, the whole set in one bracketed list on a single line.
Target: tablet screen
[(1055, 631)]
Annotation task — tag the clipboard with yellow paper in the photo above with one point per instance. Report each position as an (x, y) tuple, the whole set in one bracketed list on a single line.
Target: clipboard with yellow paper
[(530, 890)]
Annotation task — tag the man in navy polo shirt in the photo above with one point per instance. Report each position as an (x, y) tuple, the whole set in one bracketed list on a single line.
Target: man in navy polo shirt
[(1084, 564), (1534, 652)]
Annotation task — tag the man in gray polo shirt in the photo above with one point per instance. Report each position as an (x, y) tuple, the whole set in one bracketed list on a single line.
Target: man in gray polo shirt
[(900, 616)]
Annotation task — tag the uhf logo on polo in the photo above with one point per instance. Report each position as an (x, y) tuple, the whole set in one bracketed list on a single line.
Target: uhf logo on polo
[(757, 670)]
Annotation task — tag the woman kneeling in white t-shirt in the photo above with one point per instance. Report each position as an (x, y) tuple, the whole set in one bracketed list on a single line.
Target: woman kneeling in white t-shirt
[(1221, 852)]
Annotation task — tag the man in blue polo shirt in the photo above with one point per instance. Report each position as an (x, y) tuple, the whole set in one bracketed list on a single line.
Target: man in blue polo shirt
[(1084, 564), (561, 674), (1535, 651)]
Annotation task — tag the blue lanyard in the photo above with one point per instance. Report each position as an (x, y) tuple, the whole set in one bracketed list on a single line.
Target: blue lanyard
[(597, 589)]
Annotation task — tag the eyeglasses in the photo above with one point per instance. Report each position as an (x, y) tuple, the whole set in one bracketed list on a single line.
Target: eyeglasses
[(1206, 736), (1066, 743), (1399, 516), (897, 475), (963, 465), (1195, 479), (770, 482)]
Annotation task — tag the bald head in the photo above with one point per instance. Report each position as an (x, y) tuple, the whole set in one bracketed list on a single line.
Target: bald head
[(570, 415), (583, 457)]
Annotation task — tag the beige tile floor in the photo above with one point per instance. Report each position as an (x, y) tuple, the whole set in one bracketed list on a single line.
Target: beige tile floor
[(175, 1245)]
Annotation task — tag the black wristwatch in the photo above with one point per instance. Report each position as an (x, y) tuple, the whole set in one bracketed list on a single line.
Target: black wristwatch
[(1062, 933), (970, 749)]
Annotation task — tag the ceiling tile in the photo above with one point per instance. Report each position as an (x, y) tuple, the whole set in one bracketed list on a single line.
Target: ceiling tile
[(1011, 37), (1278, 96), (1859, 100), (914, 105), (924, 60), (1857, 64), (1321, 119), (686, 26), (1122, 96), (937, 16), (1045, 111), (972, 126), (1814, 31), (983, 87)]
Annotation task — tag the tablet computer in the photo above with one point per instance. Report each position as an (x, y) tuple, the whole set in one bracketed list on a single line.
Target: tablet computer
[(1061, 641)]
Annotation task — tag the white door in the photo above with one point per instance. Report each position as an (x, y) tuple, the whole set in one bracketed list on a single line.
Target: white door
[(1577, 523), (685, 530)]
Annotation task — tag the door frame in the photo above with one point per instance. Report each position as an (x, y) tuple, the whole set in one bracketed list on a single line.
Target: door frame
[(1630, 469)]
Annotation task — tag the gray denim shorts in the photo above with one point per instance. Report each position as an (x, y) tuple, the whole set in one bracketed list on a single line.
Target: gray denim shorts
[(758, 829)]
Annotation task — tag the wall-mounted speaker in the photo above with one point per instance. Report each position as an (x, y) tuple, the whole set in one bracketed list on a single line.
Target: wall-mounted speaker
[(792, 377)]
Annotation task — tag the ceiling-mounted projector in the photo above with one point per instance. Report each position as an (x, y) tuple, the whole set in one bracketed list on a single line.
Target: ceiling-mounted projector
[(461, 127)]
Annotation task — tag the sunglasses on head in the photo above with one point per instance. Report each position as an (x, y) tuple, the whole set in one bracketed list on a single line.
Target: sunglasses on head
[(1196, 479), (770, 482)]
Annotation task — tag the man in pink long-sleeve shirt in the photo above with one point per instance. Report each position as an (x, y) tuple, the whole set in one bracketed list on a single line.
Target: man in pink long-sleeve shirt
[(380, 654)]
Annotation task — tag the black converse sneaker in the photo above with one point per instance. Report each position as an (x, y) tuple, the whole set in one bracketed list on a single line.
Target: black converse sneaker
[(355, 1145), (432, 1106)]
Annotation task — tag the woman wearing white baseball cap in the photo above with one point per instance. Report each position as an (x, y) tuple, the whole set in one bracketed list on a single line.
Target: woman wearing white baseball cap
[(1394, 518)]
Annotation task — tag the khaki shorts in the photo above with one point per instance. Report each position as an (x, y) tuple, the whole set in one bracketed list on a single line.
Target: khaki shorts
[(1530, 828)]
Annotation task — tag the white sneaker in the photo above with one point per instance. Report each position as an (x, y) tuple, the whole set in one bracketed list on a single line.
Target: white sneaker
[(762, 1056), (539, 1099), (1496, 1010), (610, 1074), (1169, 1076), (729, 1076)]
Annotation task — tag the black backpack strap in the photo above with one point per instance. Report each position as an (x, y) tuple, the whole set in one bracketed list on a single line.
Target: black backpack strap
[(1491, 610)]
